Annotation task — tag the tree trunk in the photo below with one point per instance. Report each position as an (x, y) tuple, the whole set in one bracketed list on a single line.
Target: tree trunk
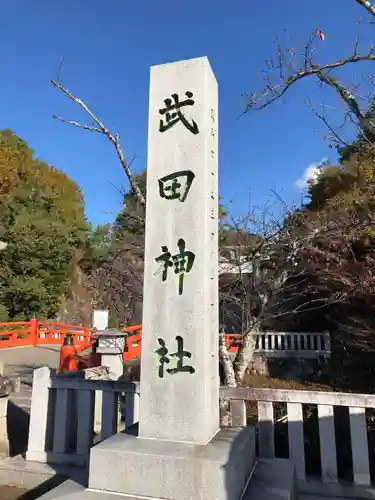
[(229, 380), (226, 363), (245, 354)]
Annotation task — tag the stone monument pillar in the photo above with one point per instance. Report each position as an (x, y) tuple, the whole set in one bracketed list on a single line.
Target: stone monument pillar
[(179, 364), (180, 454)]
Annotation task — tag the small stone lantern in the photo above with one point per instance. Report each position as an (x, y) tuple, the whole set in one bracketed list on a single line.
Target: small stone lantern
[(111, 344)]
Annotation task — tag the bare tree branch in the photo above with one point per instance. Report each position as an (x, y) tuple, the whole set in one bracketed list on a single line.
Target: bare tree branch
[(336, 138), (278, 90), (367, 5), (76, 124), (103, 130), (365, 123)]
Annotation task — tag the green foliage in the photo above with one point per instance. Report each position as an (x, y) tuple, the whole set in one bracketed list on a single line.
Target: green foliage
[(42, 220), (336, 252), (223, 214), (330, 182), (363, 146), (131, 218), (4, 316), (341, 185), (97, 247)]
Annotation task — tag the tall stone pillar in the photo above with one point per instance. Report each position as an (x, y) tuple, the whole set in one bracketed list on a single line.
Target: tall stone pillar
[(179, 364), (180, 454)]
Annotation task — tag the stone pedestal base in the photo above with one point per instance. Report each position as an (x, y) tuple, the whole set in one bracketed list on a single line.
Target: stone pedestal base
[(174, 471), (273, 479)]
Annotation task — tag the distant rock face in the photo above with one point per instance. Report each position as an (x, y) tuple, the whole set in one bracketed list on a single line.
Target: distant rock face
[(76, 306)]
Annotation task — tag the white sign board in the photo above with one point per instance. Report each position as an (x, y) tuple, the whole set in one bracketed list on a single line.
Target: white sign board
[(100, 319)]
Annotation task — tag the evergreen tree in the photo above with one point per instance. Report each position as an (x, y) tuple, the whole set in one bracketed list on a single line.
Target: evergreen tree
[(42, 220)]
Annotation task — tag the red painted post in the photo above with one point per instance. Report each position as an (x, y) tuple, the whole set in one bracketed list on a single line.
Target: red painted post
[(68, 362), (34, 331)]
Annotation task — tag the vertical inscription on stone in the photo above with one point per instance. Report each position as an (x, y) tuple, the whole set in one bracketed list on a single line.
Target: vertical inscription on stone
[(173, 113), (180, 320)]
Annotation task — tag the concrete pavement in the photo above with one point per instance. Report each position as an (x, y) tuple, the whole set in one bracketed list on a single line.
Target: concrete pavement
[(21, 362)]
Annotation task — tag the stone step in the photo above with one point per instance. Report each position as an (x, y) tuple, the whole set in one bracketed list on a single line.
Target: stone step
[(70, 490), (17, 471), (272, 479), (163, 469)]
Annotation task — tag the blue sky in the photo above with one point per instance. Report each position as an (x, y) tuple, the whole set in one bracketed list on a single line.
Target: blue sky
[(108, 47)]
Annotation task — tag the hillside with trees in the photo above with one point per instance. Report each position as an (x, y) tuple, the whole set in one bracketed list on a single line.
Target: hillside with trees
[(42, 221), (339, 217)]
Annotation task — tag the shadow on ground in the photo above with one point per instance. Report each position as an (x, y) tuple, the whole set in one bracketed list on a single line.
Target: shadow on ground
[(43, 488), (18, 429)]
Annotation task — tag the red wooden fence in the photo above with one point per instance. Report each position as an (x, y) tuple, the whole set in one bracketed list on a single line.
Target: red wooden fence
[(134, 342), (35, 332)]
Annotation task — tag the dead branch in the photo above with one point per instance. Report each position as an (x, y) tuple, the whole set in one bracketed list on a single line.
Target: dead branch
[(276, 91), (365, 123), (100, 128), (335, 136), (367, 5)]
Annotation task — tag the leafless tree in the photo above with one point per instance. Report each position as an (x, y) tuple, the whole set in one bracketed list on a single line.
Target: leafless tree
[(100, 128), (294, 62), (282, 271), (118, 284)]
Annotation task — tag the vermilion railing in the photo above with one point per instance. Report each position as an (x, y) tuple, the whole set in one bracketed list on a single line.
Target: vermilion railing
[(134, 342), (18, 333), (54, 333), (233, 341), (35, 332)]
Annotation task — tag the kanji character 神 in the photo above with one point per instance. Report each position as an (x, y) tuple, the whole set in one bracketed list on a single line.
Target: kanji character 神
[(182, 262)]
